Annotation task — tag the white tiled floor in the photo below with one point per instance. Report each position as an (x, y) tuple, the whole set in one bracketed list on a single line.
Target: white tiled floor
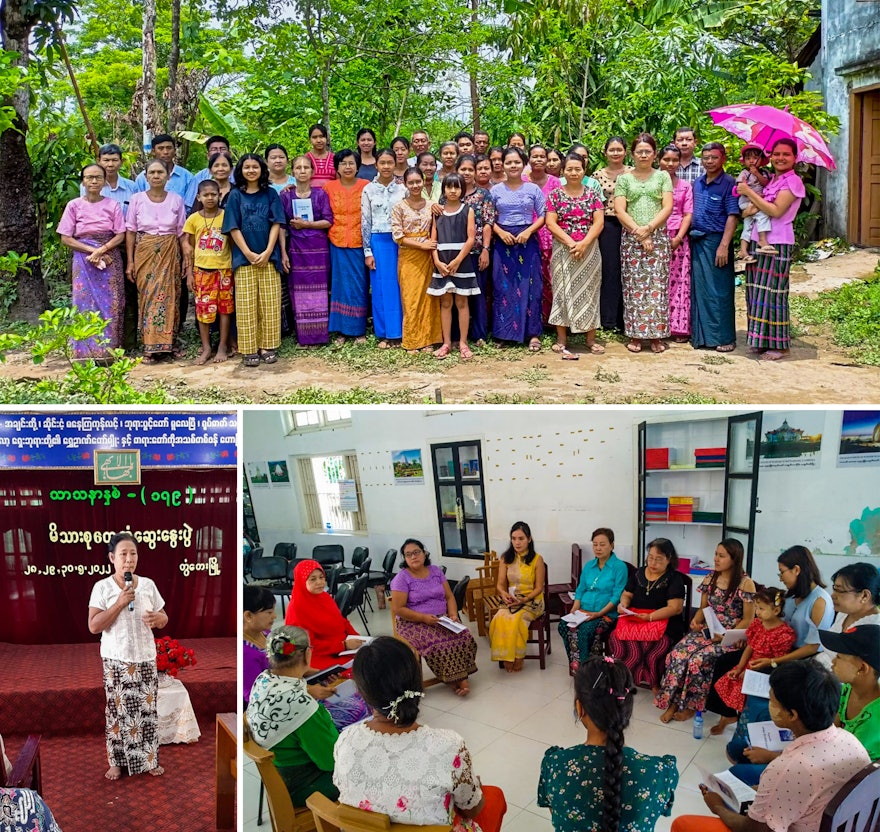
[(508, 720)]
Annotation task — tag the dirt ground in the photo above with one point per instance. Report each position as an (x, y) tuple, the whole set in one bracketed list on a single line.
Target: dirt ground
[(816, 372)]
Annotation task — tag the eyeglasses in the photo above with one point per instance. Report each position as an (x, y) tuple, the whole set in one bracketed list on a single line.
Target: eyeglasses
[(413, 552), (90, 178), (841, 591), (781, 572)]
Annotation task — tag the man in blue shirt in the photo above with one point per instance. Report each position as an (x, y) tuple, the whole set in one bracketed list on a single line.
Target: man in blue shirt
[(716, 213), (165, 149)]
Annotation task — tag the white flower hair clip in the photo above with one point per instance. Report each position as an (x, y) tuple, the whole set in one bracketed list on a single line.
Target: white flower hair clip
[(407, 694)]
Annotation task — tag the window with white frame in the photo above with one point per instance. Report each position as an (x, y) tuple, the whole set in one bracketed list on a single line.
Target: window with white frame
[(331, 492), (307, 419)]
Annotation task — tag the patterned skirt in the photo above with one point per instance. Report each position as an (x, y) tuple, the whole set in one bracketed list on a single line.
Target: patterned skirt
[(680, 288), (450, 656), (645, 659), (101, 291), (157, 270), (576, 286), (645, 286), (132, 729), (767, 299)]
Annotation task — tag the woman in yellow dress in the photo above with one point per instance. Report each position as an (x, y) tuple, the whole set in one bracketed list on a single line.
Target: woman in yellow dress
[(521, 577)]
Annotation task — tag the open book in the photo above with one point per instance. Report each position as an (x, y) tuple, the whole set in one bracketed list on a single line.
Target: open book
[(736, 795), (449, 624), (322, 675)]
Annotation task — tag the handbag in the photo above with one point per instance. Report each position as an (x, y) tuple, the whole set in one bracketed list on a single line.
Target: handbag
[(633, 629)]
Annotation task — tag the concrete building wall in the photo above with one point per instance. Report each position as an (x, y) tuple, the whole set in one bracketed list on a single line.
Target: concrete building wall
[(849, 60)]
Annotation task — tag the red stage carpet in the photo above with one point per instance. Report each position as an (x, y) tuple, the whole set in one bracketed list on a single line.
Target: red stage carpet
[(56, 691)]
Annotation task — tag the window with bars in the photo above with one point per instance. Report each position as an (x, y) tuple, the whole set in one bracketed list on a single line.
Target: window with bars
[(324, 491), (301, 421)]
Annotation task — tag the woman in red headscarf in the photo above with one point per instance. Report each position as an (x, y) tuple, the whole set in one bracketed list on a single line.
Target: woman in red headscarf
[(316, 612), (314, 609)]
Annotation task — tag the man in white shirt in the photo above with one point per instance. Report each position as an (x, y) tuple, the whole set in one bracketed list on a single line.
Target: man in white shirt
[(419, 143)]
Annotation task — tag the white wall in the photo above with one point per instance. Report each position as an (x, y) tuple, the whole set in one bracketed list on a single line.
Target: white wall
[(564, 471)]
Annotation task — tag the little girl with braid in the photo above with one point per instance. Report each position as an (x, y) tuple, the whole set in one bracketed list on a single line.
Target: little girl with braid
[(635, 788)]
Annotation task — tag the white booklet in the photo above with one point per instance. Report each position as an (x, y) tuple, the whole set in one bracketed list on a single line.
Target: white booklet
[(735, 794), (363, 639), (449, 624), (769, 735), (343, 691), (756, 684), (302, 209), (575, 618), (732, 637)]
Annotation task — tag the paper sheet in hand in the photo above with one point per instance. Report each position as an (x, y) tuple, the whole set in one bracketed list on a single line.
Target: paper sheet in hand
[(449, 624), (756, 684), (732, 637), (768, 735), (627, 611), (575, 618), (733, 791), (713, 625)]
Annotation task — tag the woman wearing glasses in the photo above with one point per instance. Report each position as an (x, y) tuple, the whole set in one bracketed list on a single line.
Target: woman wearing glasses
[(643, 203), (420, 599), (855, 592)]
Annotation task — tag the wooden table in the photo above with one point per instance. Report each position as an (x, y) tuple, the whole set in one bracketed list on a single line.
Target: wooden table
[(226, 770)]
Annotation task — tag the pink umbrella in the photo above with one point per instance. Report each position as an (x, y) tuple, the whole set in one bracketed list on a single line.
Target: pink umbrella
[(763, 125)]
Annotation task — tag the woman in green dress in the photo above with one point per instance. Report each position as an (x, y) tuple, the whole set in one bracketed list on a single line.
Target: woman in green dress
[(603, 785)]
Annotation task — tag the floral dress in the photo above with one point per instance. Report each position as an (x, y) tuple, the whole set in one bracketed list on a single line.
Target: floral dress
[(689, 665), (571, 787), (416, 777)]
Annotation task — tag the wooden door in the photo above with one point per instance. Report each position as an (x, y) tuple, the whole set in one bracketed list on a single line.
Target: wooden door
[(869, 184)]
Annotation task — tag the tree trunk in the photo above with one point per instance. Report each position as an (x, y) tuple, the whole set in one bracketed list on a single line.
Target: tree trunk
[(150, 111), (19, 231), (475, 92), (174, 115)]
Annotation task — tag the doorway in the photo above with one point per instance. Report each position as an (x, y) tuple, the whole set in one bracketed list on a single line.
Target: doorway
[(864, 214)]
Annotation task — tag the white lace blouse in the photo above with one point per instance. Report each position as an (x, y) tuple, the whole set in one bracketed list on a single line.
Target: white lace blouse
[(128, 639), (418, 777)]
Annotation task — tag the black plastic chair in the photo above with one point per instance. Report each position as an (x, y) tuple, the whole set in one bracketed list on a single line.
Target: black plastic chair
[(273, 573), (377, 578), (359, 589), (249, 559), (285, 550), (459, 592), (342, 597), (328, 554), (332, 574), (358, 556)]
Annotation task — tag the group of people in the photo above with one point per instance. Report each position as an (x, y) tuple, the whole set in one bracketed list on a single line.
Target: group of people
[(798, 633), (439, 249)]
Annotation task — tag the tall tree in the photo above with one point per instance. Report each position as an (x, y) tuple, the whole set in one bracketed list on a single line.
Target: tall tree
[(19, 230)]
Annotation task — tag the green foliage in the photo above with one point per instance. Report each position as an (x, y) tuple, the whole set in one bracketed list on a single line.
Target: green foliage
[(85, 381), (11, 77), (852, 313), (353, 395), (11, 264)]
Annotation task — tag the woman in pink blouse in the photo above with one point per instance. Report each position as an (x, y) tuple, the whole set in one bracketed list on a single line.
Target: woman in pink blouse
[(93, 227), (154, 225), (767, 278), (677, 226)]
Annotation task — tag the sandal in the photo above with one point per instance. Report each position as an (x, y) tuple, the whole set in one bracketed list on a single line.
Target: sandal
[(725, 348), (251, 360), (382, 345), (442, 352), (634, 346), (596, 349), (269, 356), (534, 345), (657, 347), (465, 352), (179, 352), (766, 250), (149, 360), (568, 355), (557, 347)]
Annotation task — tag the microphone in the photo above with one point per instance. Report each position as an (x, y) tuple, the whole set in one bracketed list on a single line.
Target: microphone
[(127, 577)]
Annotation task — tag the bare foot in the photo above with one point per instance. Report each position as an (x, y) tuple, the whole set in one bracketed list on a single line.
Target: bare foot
[(361, 339), (508, 666), (203, 356), (684, 715), (715, 730), (157, 771), (668, 714), (774, 355), (518, 665), (221, 356), (113, 773), (339, 341), (462, 688)]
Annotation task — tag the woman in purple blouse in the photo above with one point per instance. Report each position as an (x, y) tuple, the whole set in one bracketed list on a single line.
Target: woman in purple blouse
[(420, 600)]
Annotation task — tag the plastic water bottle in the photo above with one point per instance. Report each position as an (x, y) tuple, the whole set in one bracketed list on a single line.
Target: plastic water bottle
[(698, 726), (329, 528)]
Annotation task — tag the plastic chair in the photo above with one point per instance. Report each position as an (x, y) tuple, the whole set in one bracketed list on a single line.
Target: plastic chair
[(342, 597), (328, 554), (358, 592), (274, 573), (383, 578), (333, 817), (460, 591), (284, 550), (249, 559), (358, 556), (856, 806), (557, 606), (284, 816)]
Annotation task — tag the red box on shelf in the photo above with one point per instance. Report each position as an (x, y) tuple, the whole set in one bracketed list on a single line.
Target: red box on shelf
[(656, 458)]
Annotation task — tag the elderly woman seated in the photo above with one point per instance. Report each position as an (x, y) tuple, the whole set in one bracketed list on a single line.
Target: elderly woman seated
[(287, 720), (420, 596), (391, 764)]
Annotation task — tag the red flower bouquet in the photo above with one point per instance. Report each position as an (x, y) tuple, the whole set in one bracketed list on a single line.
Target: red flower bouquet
[(172, 657)]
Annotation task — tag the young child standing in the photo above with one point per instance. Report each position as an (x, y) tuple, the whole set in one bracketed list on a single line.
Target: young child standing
[(756, 176), (208, 259), (767, 637), (455, 274)]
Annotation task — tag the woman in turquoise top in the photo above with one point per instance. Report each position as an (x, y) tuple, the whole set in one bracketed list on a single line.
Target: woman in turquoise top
[(603, 785), (643, 203), (285, 719), (598, 592)]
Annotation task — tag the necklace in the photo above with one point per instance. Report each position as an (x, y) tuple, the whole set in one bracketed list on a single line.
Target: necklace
[(257, 642), (649, 584), (209, 229)]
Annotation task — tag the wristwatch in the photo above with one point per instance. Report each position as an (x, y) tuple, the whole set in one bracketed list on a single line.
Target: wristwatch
[(773, 664)]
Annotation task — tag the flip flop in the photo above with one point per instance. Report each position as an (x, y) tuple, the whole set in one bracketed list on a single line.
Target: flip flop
[(534, 345), (465, 352), (634, 346), (657, 347), (149, 360), (597, 349), (557, 347), (725, 348), (567, 355), (441, 353)]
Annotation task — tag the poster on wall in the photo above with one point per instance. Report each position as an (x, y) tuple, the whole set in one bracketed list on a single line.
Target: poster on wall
[(278, 473), (792, 439), (859, 438), (348, 497), (258, 474), (408, 467)]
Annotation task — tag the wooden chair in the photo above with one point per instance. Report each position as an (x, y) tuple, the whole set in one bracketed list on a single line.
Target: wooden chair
[(334, 817), (425, 684), (557, 606), (483, 586), (284, 816), (856, 806), (27, 771)]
